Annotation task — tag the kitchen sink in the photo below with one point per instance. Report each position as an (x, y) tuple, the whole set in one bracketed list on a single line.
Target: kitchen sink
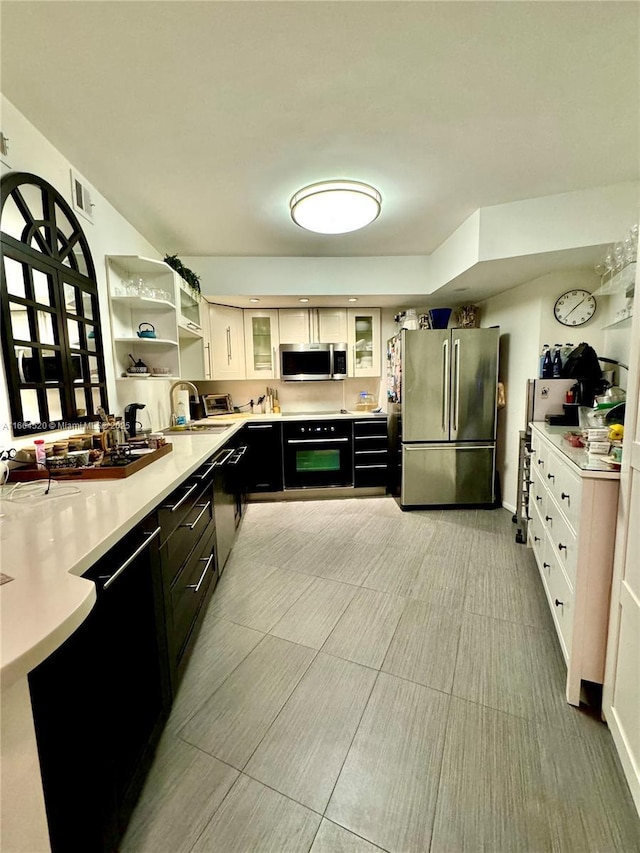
[(192, 429)]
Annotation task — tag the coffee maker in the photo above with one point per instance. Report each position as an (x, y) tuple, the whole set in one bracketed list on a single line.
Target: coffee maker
[(130, 418)]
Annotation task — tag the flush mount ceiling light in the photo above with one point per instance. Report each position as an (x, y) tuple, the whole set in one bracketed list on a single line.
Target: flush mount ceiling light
[(335, 207)]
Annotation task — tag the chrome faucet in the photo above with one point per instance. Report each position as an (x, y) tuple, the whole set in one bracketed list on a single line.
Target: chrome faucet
[(178, 384)]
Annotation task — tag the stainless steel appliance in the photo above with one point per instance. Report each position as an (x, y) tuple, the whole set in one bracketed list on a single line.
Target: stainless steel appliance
[(442, 415), (217, 404), (317, 453), (304, 362)]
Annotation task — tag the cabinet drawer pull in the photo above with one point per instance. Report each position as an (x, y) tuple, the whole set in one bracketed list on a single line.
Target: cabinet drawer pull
[(551, 477), (548, 518), (564, 496), (182, 499), (538, 497), (260, 426), (561, 546), (131, 558), (205, 507), (206, 473), (537, 539), (546, 565), (559, 603), (196, 586), (540, 461)]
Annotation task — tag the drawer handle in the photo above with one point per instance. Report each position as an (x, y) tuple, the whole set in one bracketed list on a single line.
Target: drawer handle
[(548, 518), (205, 507), (110, 578), (536, 539), (540, 461), (182, 499), (206, 473), (551, 476), (546, 565), (196, 586), (559, 603), (561, 546), (538, 497), (564, 496)]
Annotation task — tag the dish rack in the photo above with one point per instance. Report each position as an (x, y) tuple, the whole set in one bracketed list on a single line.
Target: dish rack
[(521, 516)]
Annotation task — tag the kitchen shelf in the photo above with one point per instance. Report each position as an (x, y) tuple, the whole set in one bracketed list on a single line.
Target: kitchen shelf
[(624, 323), (622, 282), (146, 341), (145, 302)]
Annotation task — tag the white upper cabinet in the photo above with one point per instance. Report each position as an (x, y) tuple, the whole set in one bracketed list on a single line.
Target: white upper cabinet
[(189, 306), (313, 325), (261, 342), (363, 338), (227, 342)]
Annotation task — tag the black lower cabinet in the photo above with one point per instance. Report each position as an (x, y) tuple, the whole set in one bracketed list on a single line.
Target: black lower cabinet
[(370, 452), (100, 701), (264, 457)]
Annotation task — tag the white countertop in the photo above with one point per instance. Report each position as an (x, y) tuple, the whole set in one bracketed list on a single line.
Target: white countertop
[(46, 543), (587, 465)]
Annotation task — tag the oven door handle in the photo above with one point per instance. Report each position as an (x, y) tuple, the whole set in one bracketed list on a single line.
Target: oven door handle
[(316, 440)]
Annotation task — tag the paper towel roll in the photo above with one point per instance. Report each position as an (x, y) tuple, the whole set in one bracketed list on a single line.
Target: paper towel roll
[(182, 396)]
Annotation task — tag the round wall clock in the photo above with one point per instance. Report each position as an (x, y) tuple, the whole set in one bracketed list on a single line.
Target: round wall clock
[(574, 308)]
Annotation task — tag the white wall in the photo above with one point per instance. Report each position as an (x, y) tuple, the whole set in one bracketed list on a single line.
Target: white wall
[(526, 320), (110, 233)]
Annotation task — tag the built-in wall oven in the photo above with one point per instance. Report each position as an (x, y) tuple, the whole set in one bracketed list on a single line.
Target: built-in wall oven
[(318, 453)]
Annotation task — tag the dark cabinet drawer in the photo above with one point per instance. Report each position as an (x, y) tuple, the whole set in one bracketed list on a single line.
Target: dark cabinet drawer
[(195, 523), (175, 508), (191, 588), (264, 457), (370, 457), (370, 475), (376, 427)]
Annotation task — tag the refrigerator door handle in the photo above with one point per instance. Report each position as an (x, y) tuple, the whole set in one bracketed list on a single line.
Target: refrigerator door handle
[(456, 379), (445, 386)]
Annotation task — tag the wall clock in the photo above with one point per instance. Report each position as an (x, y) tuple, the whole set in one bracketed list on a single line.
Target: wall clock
[(574, 308)]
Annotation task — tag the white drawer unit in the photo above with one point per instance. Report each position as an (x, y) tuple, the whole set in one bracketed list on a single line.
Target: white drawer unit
[(572, 531)]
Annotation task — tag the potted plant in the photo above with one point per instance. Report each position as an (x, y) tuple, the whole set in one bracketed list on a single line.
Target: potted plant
[(185, 274)]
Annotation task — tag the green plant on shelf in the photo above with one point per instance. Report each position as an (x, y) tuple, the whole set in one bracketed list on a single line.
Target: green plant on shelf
[(185, 273)]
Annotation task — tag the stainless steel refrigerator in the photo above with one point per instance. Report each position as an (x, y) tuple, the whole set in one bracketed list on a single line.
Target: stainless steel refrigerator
[(442, 388)]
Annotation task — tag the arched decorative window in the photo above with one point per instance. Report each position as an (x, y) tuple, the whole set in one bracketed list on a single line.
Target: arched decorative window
[(51, 334)]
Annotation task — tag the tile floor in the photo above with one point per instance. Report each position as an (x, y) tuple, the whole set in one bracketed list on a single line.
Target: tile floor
[(366, 680)]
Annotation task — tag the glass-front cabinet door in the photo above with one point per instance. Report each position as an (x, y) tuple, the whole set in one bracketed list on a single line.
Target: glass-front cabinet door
[(261, 342), (364, 342)]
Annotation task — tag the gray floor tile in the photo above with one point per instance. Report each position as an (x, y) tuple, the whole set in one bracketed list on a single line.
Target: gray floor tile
[(364, 632), (303, 751), (590, 806), (343, 559), (512, 668), (425, 645), (490, 797), (441, 579), (183, 790), (265, 603), (314, 615), (507, 593), (332, 838), (492, 550), (234, 720), (220, 647), (394, 571), (255, 818), (387, 789)]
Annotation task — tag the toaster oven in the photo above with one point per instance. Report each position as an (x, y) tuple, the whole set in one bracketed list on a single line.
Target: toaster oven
[(217, 404)]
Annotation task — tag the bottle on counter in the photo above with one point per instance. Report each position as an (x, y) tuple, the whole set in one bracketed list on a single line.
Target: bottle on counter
[(41, 455), (564, 353), (556, 362), (546, 365), (181, 414)]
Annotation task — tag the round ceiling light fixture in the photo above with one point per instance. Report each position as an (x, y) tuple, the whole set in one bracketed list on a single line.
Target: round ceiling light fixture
[(335, 207)]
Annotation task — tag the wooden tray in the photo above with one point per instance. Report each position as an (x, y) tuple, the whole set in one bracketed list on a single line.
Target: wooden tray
[(107, 472)]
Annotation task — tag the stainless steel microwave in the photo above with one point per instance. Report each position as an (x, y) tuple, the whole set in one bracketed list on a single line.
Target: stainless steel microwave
[(304, 362)]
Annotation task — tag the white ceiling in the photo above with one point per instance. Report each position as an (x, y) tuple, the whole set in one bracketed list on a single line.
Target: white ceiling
[(199, 120)]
